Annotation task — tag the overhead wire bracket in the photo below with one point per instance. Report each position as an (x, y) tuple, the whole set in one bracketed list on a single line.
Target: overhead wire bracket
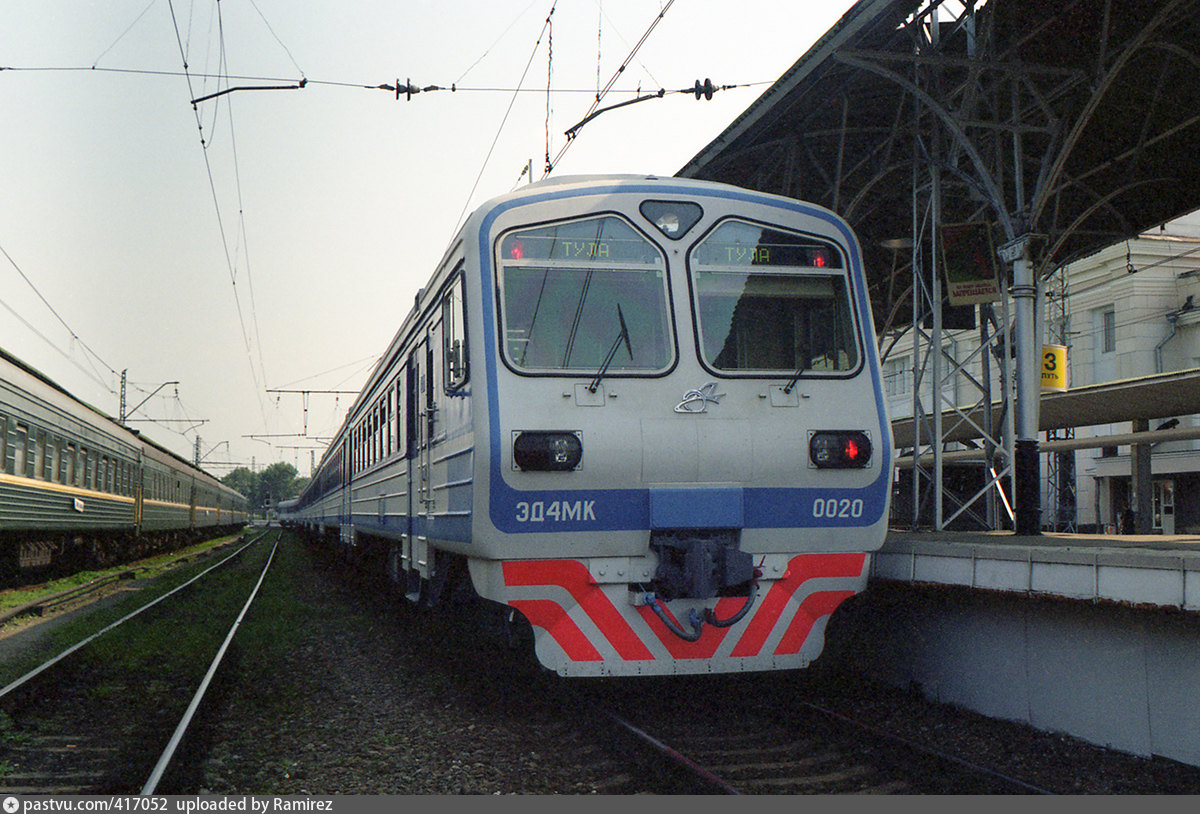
[(298, 86)]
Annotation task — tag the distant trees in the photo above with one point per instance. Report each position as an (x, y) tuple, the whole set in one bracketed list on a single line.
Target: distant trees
[(266, 488)]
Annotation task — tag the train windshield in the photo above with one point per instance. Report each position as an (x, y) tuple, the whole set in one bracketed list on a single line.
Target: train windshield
[(571, 293), (772, 302)]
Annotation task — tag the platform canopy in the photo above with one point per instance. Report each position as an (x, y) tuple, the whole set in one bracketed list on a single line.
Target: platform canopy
[(1076, 122), (1150, 398)]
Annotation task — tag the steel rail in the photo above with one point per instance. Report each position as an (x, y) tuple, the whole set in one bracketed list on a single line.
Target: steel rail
[(78, 645), (673, 754), (938, 753), (165, 759)]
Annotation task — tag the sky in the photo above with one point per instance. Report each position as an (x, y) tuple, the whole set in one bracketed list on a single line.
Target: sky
[(273, 240)]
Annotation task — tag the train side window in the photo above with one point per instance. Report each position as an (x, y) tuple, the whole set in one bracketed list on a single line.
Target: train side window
[(53, 454), (380, 426), (19, 441), (401, 434), (389, 425), (39, 454), (454, 336), (4, 443)]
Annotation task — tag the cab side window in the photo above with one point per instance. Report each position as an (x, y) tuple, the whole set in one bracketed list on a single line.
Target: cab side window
[(454, 335)]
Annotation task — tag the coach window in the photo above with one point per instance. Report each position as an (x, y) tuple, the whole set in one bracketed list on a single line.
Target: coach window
[(35, 453), (38, 442), (19, 439), (771, 302), (372, 421), (391, 421), (454, 336), (571, 292), (53, 455), (400, 427)]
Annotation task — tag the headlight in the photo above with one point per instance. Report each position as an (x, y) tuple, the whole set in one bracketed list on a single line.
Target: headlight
[(553, 451), (839, 449)]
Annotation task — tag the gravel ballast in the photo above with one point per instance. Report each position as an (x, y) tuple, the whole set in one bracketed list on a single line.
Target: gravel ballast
[(337, 688)]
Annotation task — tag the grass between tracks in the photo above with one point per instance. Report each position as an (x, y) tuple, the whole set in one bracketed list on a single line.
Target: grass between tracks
[(142, 569), (196, 622), (154, 577)]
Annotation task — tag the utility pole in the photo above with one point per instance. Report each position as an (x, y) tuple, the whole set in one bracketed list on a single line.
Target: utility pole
[(304, 394), (124, 414)]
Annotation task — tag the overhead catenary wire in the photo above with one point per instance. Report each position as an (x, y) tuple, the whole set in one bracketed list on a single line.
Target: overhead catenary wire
[(94, 374), (229, 262), (305, 82), (550, 165), (533, 52)]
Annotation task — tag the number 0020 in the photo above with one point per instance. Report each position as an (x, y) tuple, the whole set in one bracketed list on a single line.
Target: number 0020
[(837, 507)]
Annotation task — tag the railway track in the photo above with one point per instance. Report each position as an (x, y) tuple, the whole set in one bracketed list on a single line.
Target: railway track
[(711, 741), (108, 714)]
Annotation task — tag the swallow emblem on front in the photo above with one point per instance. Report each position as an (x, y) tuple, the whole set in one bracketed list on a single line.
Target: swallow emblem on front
[(697, 401)]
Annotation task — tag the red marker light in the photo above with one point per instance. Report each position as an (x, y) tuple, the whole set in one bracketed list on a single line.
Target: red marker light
[(851, 450), (819, 260), (515, 250), (839, 449)]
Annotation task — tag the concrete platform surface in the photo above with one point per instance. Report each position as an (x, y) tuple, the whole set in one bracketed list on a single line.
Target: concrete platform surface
[(1142, 570)]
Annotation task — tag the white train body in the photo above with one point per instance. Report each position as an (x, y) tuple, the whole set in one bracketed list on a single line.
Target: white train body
[(646, 413)]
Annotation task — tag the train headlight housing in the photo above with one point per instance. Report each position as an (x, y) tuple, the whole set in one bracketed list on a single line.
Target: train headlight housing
[(547, 451), (839, 449)]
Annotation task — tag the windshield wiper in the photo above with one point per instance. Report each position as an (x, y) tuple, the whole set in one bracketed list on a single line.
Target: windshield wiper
[(623, 336), (795, 378)]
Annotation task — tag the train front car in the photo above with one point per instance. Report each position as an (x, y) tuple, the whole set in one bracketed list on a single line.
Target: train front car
[(688, 460)]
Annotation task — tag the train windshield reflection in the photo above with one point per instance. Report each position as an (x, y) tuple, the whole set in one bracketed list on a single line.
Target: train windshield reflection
[(766, 304), (565, 289)]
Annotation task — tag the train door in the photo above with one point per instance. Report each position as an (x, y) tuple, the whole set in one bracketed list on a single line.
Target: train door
[(416, 556)]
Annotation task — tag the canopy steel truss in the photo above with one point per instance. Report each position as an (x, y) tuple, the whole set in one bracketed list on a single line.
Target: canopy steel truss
[(1066, 125)]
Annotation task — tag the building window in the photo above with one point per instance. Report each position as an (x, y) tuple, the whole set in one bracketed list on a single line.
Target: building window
[(897, 376), (1108, 331)]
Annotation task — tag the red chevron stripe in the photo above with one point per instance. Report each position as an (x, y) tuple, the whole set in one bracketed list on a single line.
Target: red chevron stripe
[(801, 568), (573, 576), (545, 613), (811, 609)]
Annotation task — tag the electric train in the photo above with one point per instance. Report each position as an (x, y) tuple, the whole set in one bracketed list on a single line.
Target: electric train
[(80, 490), (643, 415)]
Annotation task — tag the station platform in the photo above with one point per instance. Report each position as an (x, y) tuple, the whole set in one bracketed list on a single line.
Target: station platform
[(1093, 636), (1137, 570)]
